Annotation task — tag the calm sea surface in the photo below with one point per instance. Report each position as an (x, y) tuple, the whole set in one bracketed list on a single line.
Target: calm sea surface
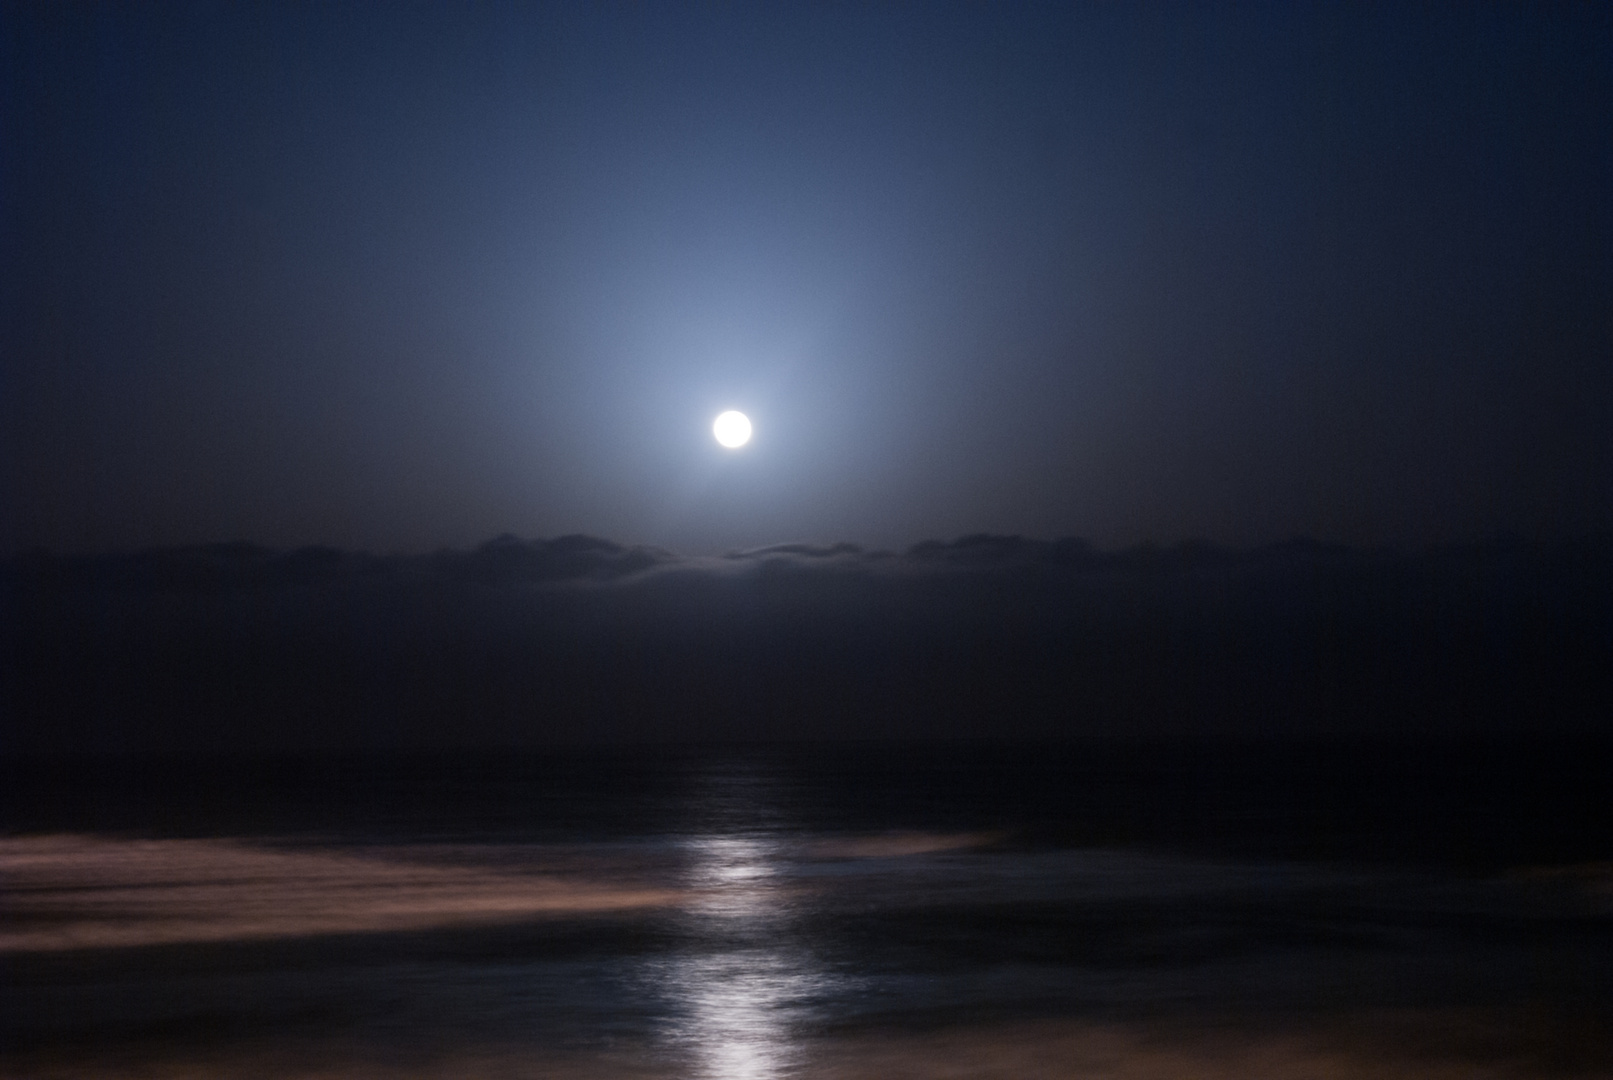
[(1303, 911)]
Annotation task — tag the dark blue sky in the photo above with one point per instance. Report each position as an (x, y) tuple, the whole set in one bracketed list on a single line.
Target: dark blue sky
[(402, 276)]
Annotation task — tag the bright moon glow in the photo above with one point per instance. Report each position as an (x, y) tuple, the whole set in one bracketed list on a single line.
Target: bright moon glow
[(732, 429)]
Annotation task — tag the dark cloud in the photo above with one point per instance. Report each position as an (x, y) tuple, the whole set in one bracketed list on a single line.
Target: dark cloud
[(528, 642)]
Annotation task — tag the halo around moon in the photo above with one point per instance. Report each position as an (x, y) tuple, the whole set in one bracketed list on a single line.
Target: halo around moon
[(732, 429)]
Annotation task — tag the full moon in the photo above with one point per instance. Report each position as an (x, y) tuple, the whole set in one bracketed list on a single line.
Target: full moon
[(732, 429)]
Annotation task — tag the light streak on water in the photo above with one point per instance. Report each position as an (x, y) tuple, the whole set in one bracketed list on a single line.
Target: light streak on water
[(740, 990)]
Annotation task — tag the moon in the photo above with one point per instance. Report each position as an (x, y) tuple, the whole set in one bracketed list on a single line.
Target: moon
[(732, 429)]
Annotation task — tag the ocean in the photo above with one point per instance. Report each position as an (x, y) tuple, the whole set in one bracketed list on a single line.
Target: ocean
[(1134, 910)]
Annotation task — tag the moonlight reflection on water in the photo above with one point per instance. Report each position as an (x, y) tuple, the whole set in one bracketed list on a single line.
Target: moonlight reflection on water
[(742, 924), (743, 982)]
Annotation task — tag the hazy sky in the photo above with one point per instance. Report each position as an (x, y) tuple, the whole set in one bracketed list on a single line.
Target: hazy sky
[(399, 276)]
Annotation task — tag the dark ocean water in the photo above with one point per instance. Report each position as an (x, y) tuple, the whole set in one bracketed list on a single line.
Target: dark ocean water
[(1287, 910)]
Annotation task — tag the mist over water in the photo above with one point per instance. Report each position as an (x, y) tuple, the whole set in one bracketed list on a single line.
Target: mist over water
[(867, 912)]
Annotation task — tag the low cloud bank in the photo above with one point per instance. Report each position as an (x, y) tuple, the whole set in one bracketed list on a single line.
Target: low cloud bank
[(578, 639)]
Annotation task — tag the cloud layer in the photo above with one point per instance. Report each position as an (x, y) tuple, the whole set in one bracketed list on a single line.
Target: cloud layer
[(578, 639)]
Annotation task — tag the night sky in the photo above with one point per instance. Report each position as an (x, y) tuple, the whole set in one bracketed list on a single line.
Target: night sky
[(395, 277)]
